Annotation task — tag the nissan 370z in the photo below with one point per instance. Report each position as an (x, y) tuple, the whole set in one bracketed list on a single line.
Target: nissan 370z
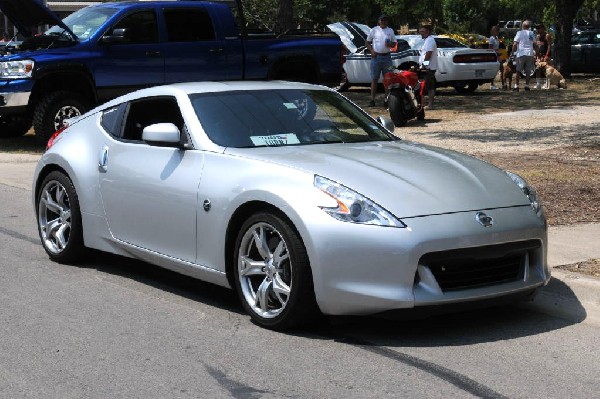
[(291, 195)]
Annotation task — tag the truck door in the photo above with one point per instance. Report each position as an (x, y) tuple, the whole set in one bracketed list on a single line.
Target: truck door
[(134, 61), (196, 50)]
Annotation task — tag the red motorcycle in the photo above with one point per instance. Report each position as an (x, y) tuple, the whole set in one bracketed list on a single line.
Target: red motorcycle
[(405, 98)]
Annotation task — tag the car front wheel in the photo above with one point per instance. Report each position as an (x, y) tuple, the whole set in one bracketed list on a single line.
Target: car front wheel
[(272, 273), (59, 218)]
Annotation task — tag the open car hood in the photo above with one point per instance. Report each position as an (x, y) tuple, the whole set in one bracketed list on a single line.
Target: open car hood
[(352, 34), (25, 14)]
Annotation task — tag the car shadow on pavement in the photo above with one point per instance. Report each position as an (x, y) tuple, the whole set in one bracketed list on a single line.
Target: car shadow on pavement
[(460, 328), (163, 279)]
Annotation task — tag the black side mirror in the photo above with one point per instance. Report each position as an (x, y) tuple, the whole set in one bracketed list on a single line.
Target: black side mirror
[(117, 36)]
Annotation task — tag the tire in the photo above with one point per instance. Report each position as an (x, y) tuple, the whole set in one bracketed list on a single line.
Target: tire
[(53, 109), (14, 126), (396, 107), (465, 88), (59, 219), (277, 292)]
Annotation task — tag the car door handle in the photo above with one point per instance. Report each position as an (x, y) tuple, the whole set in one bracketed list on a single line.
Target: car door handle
[(215, 50), (103, 161), (152, 53)]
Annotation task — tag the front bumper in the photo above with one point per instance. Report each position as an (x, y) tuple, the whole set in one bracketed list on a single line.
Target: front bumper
[(360, 269), (14, 99), (14, 95)]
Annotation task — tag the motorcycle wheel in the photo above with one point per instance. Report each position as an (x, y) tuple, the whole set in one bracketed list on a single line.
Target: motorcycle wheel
[(396, 107)]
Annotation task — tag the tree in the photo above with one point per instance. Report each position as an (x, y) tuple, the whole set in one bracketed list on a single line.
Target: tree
[(565, 13)]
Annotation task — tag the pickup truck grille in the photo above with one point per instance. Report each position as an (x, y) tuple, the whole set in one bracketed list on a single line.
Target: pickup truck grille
[(479, 267)]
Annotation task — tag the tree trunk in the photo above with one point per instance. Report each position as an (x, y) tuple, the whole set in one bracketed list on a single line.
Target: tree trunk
[(285, 16), (565, 13)]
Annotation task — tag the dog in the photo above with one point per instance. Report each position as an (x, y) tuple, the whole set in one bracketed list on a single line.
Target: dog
[(553, 77), (507, 70)]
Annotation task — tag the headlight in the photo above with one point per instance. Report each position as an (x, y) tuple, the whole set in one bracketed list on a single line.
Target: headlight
[(527, 190), (16, 69), (354, 207)]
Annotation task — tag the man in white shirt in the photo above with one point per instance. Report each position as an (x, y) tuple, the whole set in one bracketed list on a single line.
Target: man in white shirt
[(524, 48), (428, 59), (380, 40)]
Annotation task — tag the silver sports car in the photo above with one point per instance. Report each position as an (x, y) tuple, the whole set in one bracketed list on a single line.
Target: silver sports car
[(291, 195)]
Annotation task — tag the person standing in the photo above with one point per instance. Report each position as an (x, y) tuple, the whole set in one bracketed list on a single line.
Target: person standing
[(524, 49), (494, 44), (544, 43), (380, 41), (428, 60)]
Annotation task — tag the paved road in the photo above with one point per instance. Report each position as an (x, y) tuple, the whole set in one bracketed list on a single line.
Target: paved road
[(114, 327)]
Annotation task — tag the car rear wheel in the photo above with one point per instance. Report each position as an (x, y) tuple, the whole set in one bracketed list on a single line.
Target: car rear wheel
[(59, 219), (272, 273)]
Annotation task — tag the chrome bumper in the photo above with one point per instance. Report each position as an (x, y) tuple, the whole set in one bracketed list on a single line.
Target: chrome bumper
[(14, 99)]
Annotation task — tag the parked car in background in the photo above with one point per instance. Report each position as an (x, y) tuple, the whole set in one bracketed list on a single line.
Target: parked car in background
[(459, 66), (357, 59), (585, 51), (291, 195)]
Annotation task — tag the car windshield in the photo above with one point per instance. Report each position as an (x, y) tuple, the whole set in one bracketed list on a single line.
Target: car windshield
[(261, 118), (84, 23)]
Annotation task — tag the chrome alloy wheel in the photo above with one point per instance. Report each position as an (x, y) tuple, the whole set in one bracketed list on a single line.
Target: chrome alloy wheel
[(264, 270), (54, 217), (63, 113)]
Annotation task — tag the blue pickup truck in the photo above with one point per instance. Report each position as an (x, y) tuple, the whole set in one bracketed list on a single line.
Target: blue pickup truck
[(105, 50)]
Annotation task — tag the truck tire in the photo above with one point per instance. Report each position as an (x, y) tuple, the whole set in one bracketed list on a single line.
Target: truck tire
[(53, 109), (14, 126)]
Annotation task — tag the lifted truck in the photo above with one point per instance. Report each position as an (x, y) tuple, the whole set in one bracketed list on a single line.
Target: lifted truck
[(105, 50)]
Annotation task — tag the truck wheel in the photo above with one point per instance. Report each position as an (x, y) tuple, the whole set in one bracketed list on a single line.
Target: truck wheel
[(14, 126), (396, 107), (464, 87), (53, 109)]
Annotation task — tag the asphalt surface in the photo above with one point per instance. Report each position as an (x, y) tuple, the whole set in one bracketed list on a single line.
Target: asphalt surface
[(573, 296), (114, 327)]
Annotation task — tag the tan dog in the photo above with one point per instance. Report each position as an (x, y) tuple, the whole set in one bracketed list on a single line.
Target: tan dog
[(507, 70), (553, 77)]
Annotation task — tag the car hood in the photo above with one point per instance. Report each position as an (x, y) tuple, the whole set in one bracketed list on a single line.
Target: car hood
[(351, 34), (25, 14), (407, 178)]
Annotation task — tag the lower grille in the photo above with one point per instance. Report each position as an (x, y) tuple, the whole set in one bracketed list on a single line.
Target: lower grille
[(479, 267)]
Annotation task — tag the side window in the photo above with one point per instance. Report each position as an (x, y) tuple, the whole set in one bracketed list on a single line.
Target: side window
[(186, 25), (149, 111), (112, 120), (140, 27)]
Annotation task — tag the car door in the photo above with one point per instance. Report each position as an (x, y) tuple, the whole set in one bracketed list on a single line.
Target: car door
[(149, 192), (135, 61), (195, 51)]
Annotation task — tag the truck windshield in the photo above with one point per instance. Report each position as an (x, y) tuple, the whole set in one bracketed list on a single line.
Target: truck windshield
[(258, 118), (84, 23)]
